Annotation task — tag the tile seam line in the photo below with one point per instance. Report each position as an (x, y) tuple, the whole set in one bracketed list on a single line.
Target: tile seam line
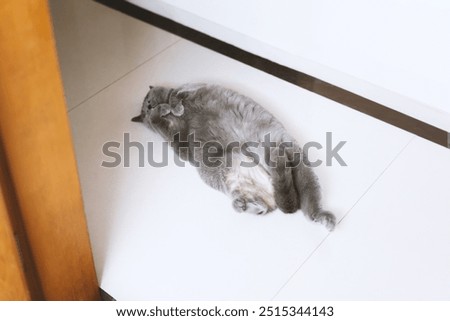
[(379, 177), (345, 215), (70, 109)]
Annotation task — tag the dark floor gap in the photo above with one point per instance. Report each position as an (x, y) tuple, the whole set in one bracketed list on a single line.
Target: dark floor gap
[(106, 296)]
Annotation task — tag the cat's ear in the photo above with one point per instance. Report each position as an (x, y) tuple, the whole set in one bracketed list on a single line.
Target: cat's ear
[(151, 87), (178, 110)]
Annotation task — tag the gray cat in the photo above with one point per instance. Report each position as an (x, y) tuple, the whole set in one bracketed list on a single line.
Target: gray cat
[(226, 135)]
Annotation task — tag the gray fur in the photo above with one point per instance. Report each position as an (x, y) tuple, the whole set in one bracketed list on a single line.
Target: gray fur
[(213, 113)]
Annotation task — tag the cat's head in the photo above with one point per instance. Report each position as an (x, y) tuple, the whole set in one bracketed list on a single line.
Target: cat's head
[(155, 97)]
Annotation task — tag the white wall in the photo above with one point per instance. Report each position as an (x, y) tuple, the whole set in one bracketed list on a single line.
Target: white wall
[(396, 52)]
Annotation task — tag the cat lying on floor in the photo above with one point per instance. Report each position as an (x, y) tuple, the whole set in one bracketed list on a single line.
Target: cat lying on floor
[(263, 169)]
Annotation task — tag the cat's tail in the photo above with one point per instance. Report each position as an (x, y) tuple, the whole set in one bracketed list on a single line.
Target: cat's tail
[(309, 195)]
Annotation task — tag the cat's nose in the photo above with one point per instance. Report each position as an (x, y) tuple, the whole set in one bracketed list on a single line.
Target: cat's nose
[(137, 119)]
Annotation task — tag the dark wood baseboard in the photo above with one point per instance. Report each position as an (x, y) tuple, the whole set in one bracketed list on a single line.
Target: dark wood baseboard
[(293, 76), (105, 296)]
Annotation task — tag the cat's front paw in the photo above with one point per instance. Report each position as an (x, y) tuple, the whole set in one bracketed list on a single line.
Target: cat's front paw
[(164, 110), (178, 110)]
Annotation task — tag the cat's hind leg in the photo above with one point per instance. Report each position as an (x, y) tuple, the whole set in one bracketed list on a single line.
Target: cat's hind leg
[(280, 168), (285, 192), (244, 200), (249, 204), (250, 188)]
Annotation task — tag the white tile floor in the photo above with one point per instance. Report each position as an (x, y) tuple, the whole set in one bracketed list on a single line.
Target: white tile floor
[(160, 233)]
